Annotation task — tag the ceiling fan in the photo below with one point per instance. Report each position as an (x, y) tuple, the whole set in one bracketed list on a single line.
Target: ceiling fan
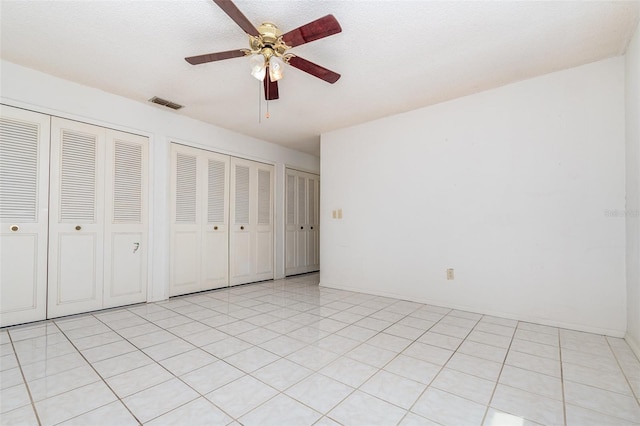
[(268, 48)]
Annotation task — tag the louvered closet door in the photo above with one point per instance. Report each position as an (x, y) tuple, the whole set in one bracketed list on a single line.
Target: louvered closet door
[(264, 223), (215, 242), (126, 229), (291, 226), (186, 221), (301, 221), (251, 229), (313, 232), (76, 218), (24, 176)]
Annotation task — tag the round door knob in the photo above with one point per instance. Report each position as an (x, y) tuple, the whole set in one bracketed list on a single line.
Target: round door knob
[(242, 228), (78, 227), (302, 227), (215, 228), (14, 228)]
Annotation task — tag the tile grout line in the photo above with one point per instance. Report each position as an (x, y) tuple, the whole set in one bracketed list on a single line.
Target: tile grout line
[(615, 355), (99, 375), (158, 363), (24, 379), (504, 362), (564, 402)]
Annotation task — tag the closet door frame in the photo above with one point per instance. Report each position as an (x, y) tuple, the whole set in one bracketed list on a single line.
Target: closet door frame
[(302, 225)]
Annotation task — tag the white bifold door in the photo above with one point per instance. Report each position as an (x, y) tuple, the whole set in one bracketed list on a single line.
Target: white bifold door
[(302, 222), (97, 219), (24, 177), (251, 233), (73, 217), (199, 220), (221, 220)]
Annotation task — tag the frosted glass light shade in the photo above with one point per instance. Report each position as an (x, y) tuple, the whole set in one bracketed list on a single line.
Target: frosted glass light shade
[(258, 66), (276, 68)]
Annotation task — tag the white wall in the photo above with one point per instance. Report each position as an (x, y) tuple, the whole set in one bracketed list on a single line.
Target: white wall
[(511, 187), (633, 191), (26, 88)]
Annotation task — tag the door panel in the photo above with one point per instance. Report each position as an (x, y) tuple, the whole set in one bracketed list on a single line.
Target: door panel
[(313, 232), (251, 232), (240, 237), (302, 222), (76, 280), (127, 273), (291, 233), (21, 297), (24, 178), (264, 224), (185, 277), (241, 263), (76, 218), (215, 249), (217, 259), (264, 260), (185, 222), (127, 215)]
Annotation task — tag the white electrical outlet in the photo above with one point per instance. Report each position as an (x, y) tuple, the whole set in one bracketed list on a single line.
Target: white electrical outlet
[(450, 273)]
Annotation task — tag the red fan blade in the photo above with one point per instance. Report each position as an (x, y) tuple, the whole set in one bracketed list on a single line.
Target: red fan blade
[(270, 88), (320, 28), (314, 69), (237, 16), (212, 57)]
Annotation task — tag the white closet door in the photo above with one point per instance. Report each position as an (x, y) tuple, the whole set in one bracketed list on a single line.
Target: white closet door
[(302, 222), (302, 243), (240, 234), (313, 247), (76, 218), (24, 176), (251, 230), (125, 255), (264, 223), (215, 242), (291, 226), (186, 219)]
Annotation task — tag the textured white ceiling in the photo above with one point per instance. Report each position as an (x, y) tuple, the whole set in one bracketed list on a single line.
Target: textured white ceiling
[(394, 56)]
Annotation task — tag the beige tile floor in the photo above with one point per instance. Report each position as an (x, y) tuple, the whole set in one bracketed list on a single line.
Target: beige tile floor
[(288, 352)]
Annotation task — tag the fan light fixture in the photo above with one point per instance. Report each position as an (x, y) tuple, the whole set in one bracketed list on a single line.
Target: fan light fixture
[(258, 66), (276, 68), (267, 52)]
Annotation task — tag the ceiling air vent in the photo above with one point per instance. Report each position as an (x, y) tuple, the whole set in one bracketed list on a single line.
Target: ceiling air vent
[(164, 102)]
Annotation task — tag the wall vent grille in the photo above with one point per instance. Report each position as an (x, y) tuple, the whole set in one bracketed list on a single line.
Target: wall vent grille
[(164, 102)]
